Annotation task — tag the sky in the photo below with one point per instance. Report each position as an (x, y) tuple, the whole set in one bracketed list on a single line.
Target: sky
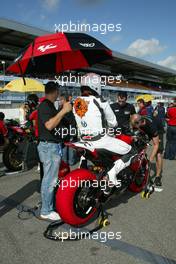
[(142, 28)]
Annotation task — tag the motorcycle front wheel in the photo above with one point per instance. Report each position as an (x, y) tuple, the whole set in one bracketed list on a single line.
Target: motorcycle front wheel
[(10, 158), (140, 178)]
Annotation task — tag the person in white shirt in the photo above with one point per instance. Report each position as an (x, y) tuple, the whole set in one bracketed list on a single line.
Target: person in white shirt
[(94, 118)]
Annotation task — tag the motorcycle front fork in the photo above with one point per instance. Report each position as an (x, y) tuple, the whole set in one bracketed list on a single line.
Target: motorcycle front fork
[(83, 163)]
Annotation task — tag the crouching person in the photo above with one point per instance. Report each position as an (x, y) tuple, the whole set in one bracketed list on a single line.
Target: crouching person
[(49, 147)]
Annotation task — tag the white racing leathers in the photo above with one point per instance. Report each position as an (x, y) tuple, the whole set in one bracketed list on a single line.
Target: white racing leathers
[(93, 116)]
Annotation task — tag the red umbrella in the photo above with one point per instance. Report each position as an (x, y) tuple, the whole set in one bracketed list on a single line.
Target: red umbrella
[(59, 52)]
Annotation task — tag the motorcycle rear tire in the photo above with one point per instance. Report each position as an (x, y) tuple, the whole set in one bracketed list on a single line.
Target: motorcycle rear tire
[(65, 198)]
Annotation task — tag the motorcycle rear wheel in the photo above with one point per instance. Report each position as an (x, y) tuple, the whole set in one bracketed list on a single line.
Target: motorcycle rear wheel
[(70, 202)]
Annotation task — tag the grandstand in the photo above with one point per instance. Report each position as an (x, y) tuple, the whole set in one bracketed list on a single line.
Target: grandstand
[(138, 75)]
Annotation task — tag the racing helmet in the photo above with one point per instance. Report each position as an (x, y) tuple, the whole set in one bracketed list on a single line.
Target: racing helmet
[(93, 81)]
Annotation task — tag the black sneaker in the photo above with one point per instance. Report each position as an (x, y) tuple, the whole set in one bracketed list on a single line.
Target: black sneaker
[(158, 182)]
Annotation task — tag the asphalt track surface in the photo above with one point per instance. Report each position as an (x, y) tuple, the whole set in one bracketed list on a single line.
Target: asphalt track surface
[(148, 227)]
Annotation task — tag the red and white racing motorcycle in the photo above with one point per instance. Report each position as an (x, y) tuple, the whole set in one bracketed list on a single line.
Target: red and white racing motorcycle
[(80, 192)]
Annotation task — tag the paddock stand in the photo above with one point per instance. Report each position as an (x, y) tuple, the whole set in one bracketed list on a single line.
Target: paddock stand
[(50, 232), (23, 169), (149, 187)]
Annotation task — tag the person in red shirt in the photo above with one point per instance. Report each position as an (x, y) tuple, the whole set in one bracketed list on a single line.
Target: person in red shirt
[(34, 117), (142, 107), (170, 149), (3, 130), (171, 115)]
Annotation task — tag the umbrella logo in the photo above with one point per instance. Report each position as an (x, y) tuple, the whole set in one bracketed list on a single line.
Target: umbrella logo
[(43, 48), (87, 45)]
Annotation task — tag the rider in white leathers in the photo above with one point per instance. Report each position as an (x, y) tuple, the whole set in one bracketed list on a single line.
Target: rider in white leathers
[(93, 115)]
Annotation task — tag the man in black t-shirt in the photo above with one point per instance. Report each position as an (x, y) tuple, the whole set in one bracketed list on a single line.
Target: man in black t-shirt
[(123, 111), (49, 148), (69, 154), (146, 125), (154, 129)]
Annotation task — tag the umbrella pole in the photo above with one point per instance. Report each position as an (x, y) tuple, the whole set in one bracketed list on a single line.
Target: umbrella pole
[(62, 66), (21, 73)]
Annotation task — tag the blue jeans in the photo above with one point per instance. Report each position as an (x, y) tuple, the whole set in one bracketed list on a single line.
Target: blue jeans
[(170, 148), (69, 156), (50, 155)]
